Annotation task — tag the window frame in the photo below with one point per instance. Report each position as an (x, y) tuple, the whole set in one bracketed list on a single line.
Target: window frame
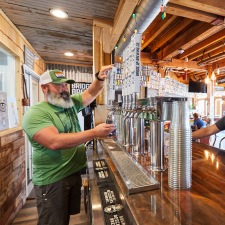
[(18, 89)]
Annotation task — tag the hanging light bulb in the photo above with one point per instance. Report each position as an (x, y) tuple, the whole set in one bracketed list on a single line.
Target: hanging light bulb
[(161, 8), (115, 47), (144, 36), (135, 31), (218, 70), (164, 14), (133, 15), (124, 39), (207, 80), (142, 41), (213, 76), (120, 57)]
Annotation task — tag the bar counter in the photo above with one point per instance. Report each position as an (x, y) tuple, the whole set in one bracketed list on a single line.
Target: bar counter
[(203, 203)]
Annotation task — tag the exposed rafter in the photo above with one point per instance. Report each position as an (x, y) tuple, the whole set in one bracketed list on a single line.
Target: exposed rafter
[(158, 29), (212, 6), (194, 14), (218, 36), (191, 37)]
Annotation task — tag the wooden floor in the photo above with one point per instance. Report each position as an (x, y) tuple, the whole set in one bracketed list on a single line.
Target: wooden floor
[(28, 215)]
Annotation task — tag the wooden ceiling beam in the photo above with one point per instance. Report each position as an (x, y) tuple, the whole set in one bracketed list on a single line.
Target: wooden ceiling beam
[(123, 14), (191, 37), (184, 22), (220, 35), (194, 14), (212, 6), (213, 53), (158, 29), (192, 65), (206, 51)]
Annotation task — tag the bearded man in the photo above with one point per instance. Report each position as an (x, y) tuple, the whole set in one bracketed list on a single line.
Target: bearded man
[(54, 132)]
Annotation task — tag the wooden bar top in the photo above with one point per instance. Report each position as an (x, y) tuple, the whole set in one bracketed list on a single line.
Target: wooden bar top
[(203, 203)]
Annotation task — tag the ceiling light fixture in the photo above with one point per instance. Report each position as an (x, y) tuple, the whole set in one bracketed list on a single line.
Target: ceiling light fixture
[(58, 13), (68, 54)]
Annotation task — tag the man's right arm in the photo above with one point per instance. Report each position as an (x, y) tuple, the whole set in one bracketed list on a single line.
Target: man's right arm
[(205, 132), (50, 138)]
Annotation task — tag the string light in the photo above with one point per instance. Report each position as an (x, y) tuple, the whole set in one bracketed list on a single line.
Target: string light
[(124, 39), (135, 31), (144, 36), (120, 58), (164, 14), (133, 15), (142, 41), (115, 47), (163, 10), (218, 70)]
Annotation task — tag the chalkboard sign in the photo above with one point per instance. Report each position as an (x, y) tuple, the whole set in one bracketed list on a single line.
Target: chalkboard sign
[(78, 87), (28, 57)]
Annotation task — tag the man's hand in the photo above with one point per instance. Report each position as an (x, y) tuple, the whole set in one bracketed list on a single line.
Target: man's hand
[(104, 72), (102, 130)]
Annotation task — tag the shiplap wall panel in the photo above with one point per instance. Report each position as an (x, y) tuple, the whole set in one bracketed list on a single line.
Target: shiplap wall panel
[(77, 73)]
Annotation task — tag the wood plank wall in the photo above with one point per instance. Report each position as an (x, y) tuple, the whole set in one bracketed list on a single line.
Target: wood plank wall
[(12, 176), (12, 149)]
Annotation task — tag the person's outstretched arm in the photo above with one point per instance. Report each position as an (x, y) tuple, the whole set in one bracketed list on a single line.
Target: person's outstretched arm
[(96, 87), (205, 132)]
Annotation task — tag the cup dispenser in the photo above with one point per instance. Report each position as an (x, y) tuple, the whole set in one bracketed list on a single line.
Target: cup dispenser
[(161, 108)]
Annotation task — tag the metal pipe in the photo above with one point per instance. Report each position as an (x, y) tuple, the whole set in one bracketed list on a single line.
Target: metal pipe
[(157, 145), (145, 13)]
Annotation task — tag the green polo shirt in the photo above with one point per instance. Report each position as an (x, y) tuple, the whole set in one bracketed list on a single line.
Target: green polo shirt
[(50, 166)]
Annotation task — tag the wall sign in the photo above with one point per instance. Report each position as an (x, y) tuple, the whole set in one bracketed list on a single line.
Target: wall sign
[(29, 57), (78, 87)]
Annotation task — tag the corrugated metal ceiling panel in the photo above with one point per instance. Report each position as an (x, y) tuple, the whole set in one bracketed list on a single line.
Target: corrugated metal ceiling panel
[(51, 36)]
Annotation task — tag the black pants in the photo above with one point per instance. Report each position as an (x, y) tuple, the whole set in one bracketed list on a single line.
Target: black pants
[(57, 201)]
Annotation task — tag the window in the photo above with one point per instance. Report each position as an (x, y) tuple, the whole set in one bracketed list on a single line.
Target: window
[(218, 107), (7, 73)]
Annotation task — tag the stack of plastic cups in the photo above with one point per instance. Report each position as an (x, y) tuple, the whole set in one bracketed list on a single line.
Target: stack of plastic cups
[(167, 111), (180, 169)]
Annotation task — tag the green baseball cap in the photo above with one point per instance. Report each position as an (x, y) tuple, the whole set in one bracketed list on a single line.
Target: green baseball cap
[(54, 77)]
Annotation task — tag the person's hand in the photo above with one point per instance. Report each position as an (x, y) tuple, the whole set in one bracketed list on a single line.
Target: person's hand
[(102, 130), (104, 71)]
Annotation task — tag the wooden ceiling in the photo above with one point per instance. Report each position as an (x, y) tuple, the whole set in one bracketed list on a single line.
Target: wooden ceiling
[(51, 37), (195, 26)]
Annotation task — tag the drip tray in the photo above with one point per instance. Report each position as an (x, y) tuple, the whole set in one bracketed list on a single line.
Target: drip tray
[(135, 177)]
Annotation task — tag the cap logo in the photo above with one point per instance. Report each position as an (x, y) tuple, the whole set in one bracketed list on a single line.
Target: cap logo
[(59, 75)]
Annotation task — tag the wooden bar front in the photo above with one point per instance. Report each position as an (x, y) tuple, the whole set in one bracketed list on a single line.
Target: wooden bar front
[(203, 203)]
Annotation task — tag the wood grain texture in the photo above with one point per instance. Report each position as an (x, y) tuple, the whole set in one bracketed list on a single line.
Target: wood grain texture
[(203, 203), (51, 37)]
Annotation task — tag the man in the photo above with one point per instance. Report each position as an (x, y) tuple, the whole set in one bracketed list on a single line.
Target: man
[(208, 131), (198, 121), (54, 132)]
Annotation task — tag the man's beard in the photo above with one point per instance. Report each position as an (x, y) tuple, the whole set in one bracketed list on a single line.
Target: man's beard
[(57, 99)]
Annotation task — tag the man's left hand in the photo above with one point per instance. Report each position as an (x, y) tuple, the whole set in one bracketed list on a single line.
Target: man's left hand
[(104, 71)]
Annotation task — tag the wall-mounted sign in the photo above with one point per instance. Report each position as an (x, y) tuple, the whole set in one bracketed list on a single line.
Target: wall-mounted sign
[(78, 87), (29, 57)]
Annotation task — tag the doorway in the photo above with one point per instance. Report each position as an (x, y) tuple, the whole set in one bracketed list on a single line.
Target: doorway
[(34, 92)]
